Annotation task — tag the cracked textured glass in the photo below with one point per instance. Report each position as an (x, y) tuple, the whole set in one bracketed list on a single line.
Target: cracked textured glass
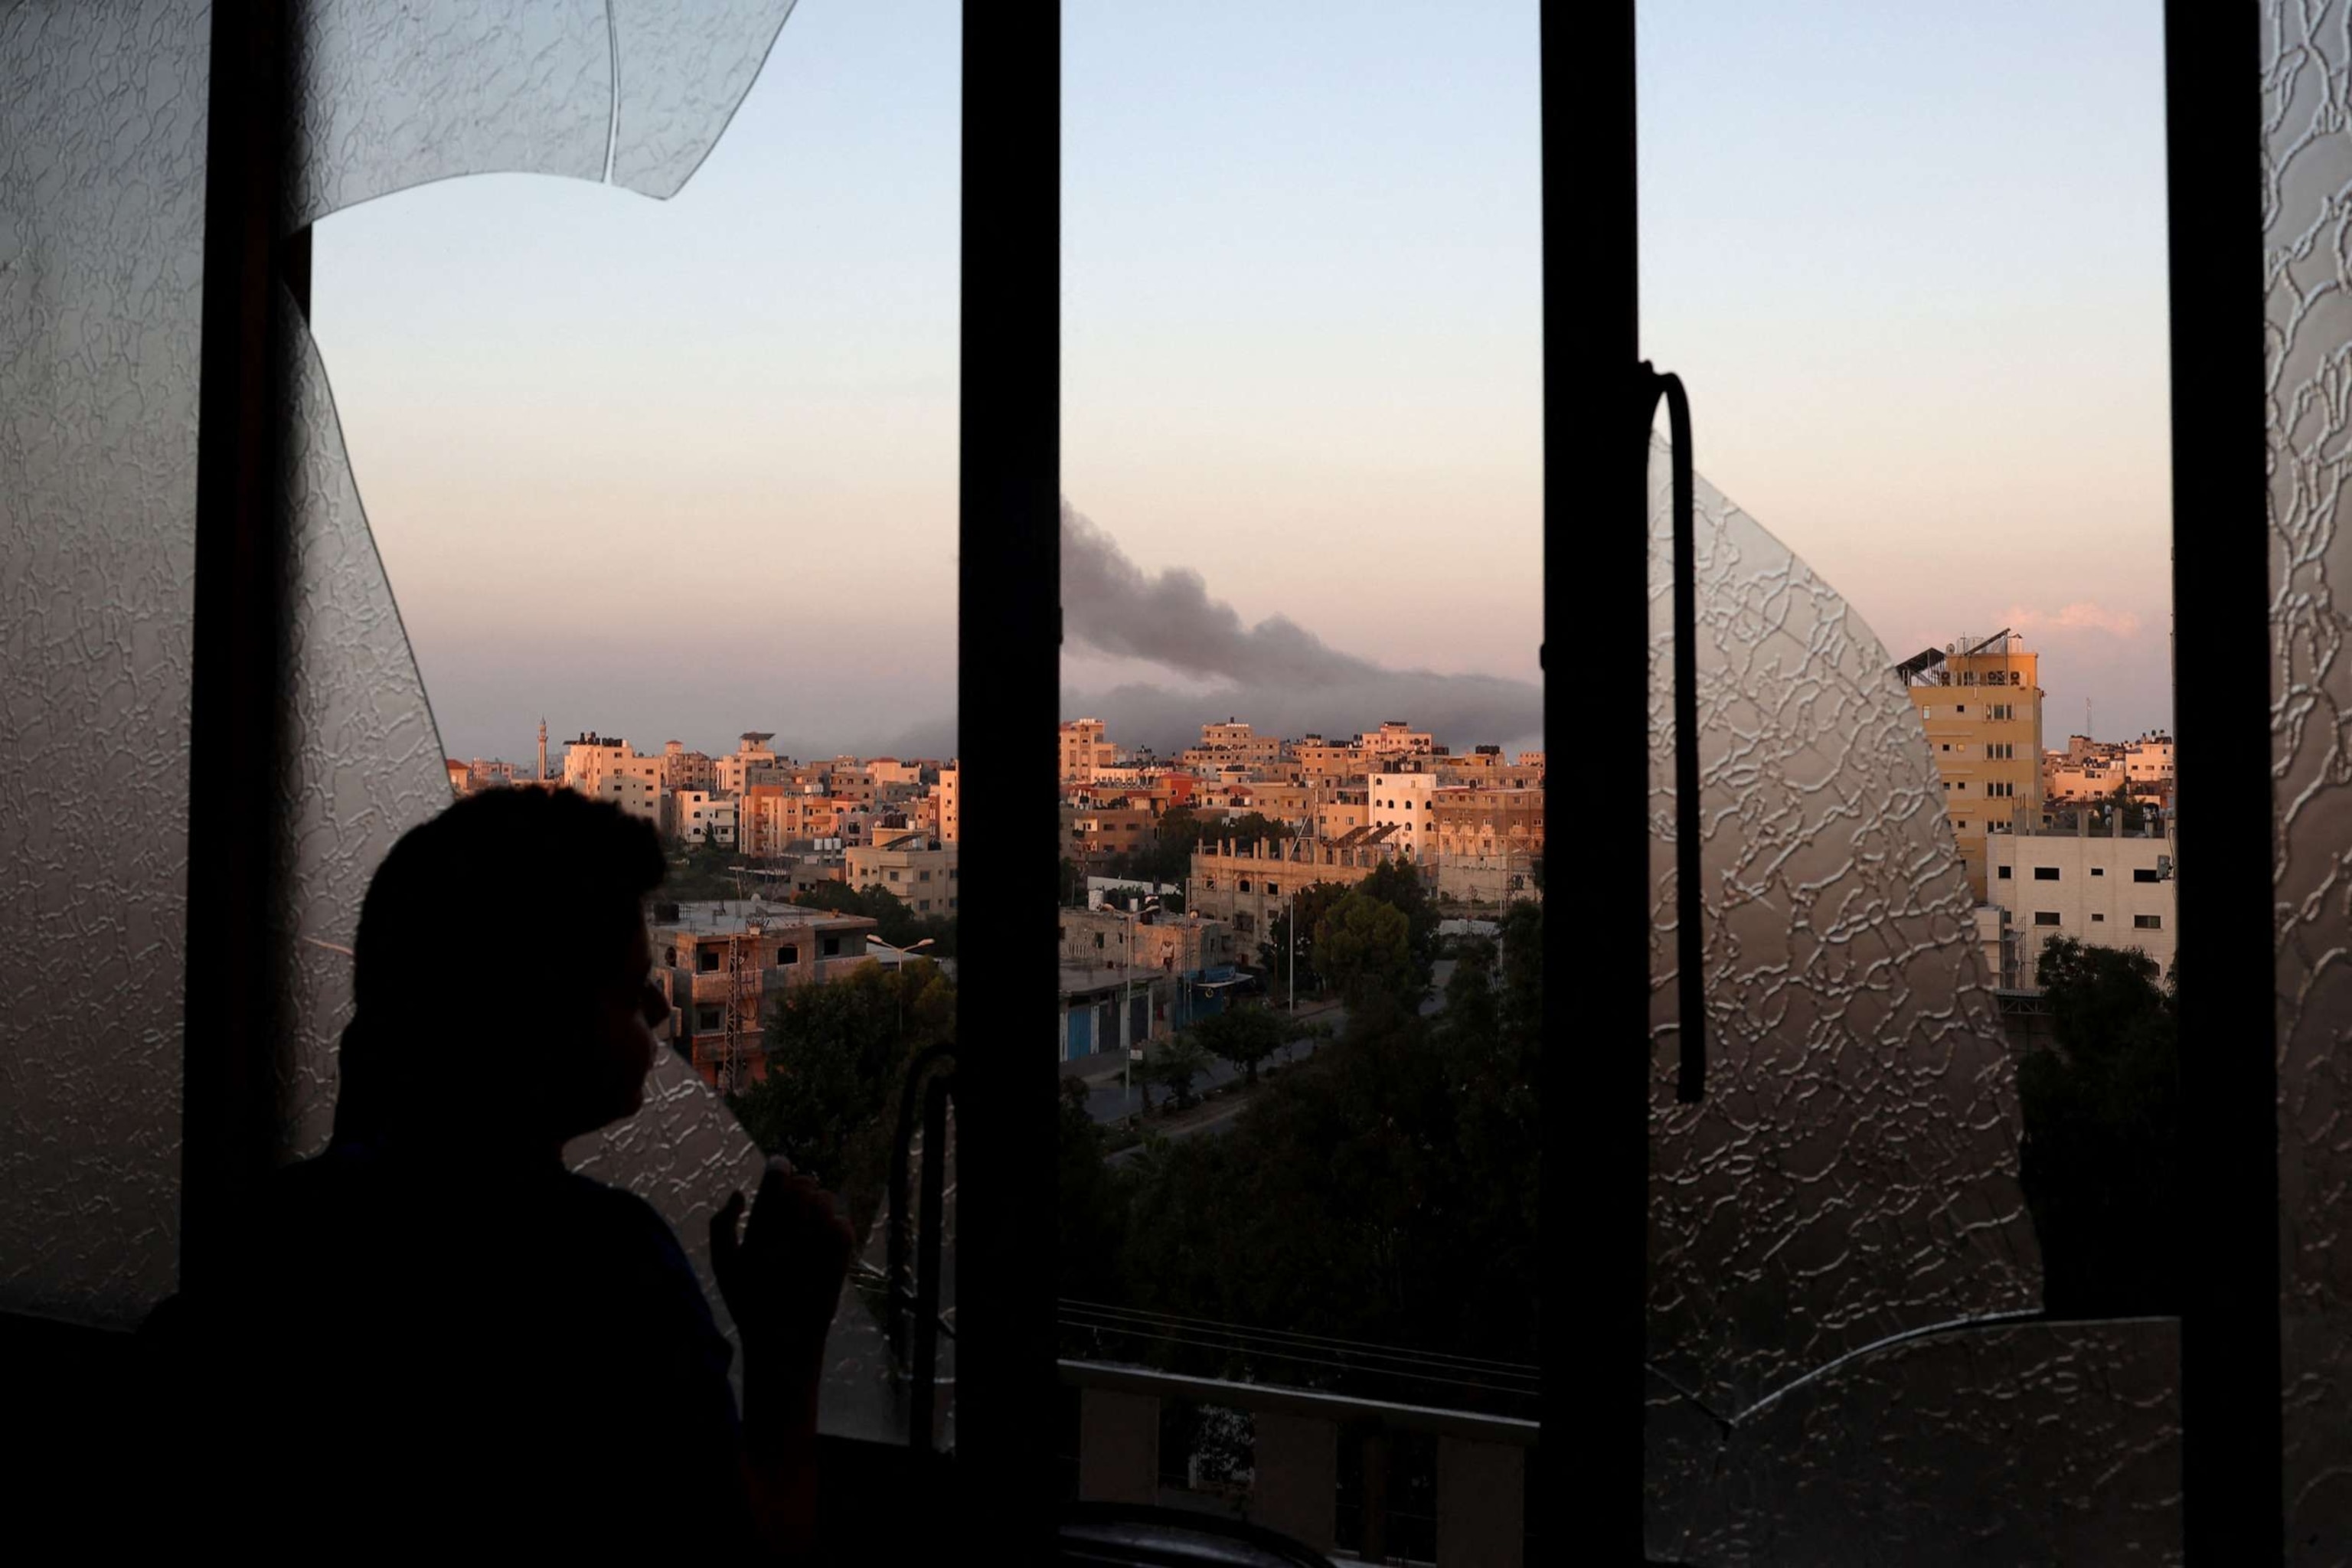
[(1851, 1173), (390, 95), (1838, 1240), (2307, 265), (2009, 1443), (102, 117), (865, 1394)]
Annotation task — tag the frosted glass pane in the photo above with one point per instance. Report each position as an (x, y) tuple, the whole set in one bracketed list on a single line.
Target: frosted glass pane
[(683, 65), (2016, 1443), (393, 93), (1851, 1172), (366, 761), (2306, 238), (102, 116)]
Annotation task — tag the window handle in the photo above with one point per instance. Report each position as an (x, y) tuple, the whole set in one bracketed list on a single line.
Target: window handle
[(1690, 1084)]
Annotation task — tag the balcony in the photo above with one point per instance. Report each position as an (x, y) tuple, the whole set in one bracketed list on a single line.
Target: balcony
[(1481, 1494)]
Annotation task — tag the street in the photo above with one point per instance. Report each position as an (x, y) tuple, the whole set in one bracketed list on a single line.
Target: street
[(1108, 1102)]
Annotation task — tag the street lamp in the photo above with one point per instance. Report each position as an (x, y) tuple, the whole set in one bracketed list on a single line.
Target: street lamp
[(902, 952)]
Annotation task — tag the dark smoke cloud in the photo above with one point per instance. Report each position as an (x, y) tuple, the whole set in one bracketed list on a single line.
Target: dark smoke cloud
[(1276, 674)]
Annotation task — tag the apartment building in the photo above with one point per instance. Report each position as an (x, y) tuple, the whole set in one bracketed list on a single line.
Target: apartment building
[(1091, 835), (685, 770), (2086, 877), (774, 816), (696, 816), (1981, 709), (1395, 737), (950, 796), (607, 768), (1247, 885), (1152, 940), (1084, 749), (725, 964), (920, 868), (1485, 843), (1231, 744), (1316, 760), (752, 763), (1406, 801)]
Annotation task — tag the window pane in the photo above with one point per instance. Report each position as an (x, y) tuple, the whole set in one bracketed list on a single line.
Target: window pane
[(1301, 760), (1909, 867), (608, 445), (99, 311), (2306, 156)]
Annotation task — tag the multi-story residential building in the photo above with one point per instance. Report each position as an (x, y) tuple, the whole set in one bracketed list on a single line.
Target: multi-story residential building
[(1340, 809), (1393, 739), (1084, 749), (752, 763), (685, 770), (1486, 842), (1092, 835), (698, 816), (1247, 885), (2080, 877), (917, 867), (775, 816), (608, 768), (1316, 759), (950, 797), (724, 965), (460, 779), (1982, 712), (1231, 744), (1147, 939), (1406, 801), (2148, 759), (889, 770)]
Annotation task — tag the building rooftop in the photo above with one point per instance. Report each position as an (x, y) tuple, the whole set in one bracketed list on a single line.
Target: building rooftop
[(725, 917)]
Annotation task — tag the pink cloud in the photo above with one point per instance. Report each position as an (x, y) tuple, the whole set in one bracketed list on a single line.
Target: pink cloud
[(2081, 616)]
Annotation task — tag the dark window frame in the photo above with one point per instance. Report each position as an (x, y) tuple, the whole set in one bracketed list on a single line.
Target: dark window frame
[(1009, 647)]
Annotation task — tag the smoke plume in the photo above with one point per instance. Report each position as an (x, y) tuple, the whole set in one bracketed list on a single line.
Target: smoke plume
[(1276, 674)]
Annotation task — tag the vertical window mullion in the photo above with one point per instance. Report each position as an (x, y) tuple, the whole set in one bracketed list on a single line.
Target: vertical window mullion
[(1594, 1197), (234, 1014), (2231, 1468), (1008, 703)]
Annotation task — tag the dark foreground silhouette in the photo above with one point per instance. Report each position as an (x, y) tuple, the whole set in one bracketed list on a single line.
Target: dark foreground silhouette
[(434, 1338)]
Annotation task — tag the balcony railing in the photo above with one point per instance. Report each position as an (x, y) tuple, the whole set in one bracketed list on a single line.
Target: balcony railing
[(1481, 1498)]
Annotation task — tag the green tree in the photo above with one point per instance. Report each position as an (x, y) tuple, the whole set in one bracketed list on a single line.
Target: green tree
[(1251, 826), (1174, 1064), (1245, 1037), (2099, 1163), (1073, 884), (1399, 884), (836, 1057), (1364, 947), (1307, 909), (1089, 1203)]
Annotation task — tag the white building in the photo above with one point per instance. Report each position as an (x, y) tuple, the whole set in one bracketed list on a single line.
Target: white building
[(607, 768), (1406, 801), (2107, 888), (698, 816), (750, 763)]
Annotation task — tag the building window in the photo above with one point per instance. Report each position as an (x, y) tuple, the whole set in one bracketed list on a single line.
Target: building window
[(707, 958), (832, 948), (705, 1018), (2098, 871), (2143, 874), (2003, 874), (2045, 917), (2098, 920), (2045, 873), (2147, 922)]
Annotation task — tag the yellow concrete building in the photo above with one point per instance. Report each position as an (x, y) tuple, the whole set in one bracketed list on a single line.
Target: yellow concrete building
[(1982, 712)]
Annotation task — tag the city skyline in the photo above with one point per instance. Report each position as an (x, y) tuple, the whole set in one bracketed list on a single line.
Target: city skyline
[(682, 488)]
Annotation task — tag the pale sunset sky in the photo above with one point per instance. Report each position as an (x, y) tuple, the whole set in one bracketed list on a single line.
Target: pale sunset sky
[(681, 469)]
